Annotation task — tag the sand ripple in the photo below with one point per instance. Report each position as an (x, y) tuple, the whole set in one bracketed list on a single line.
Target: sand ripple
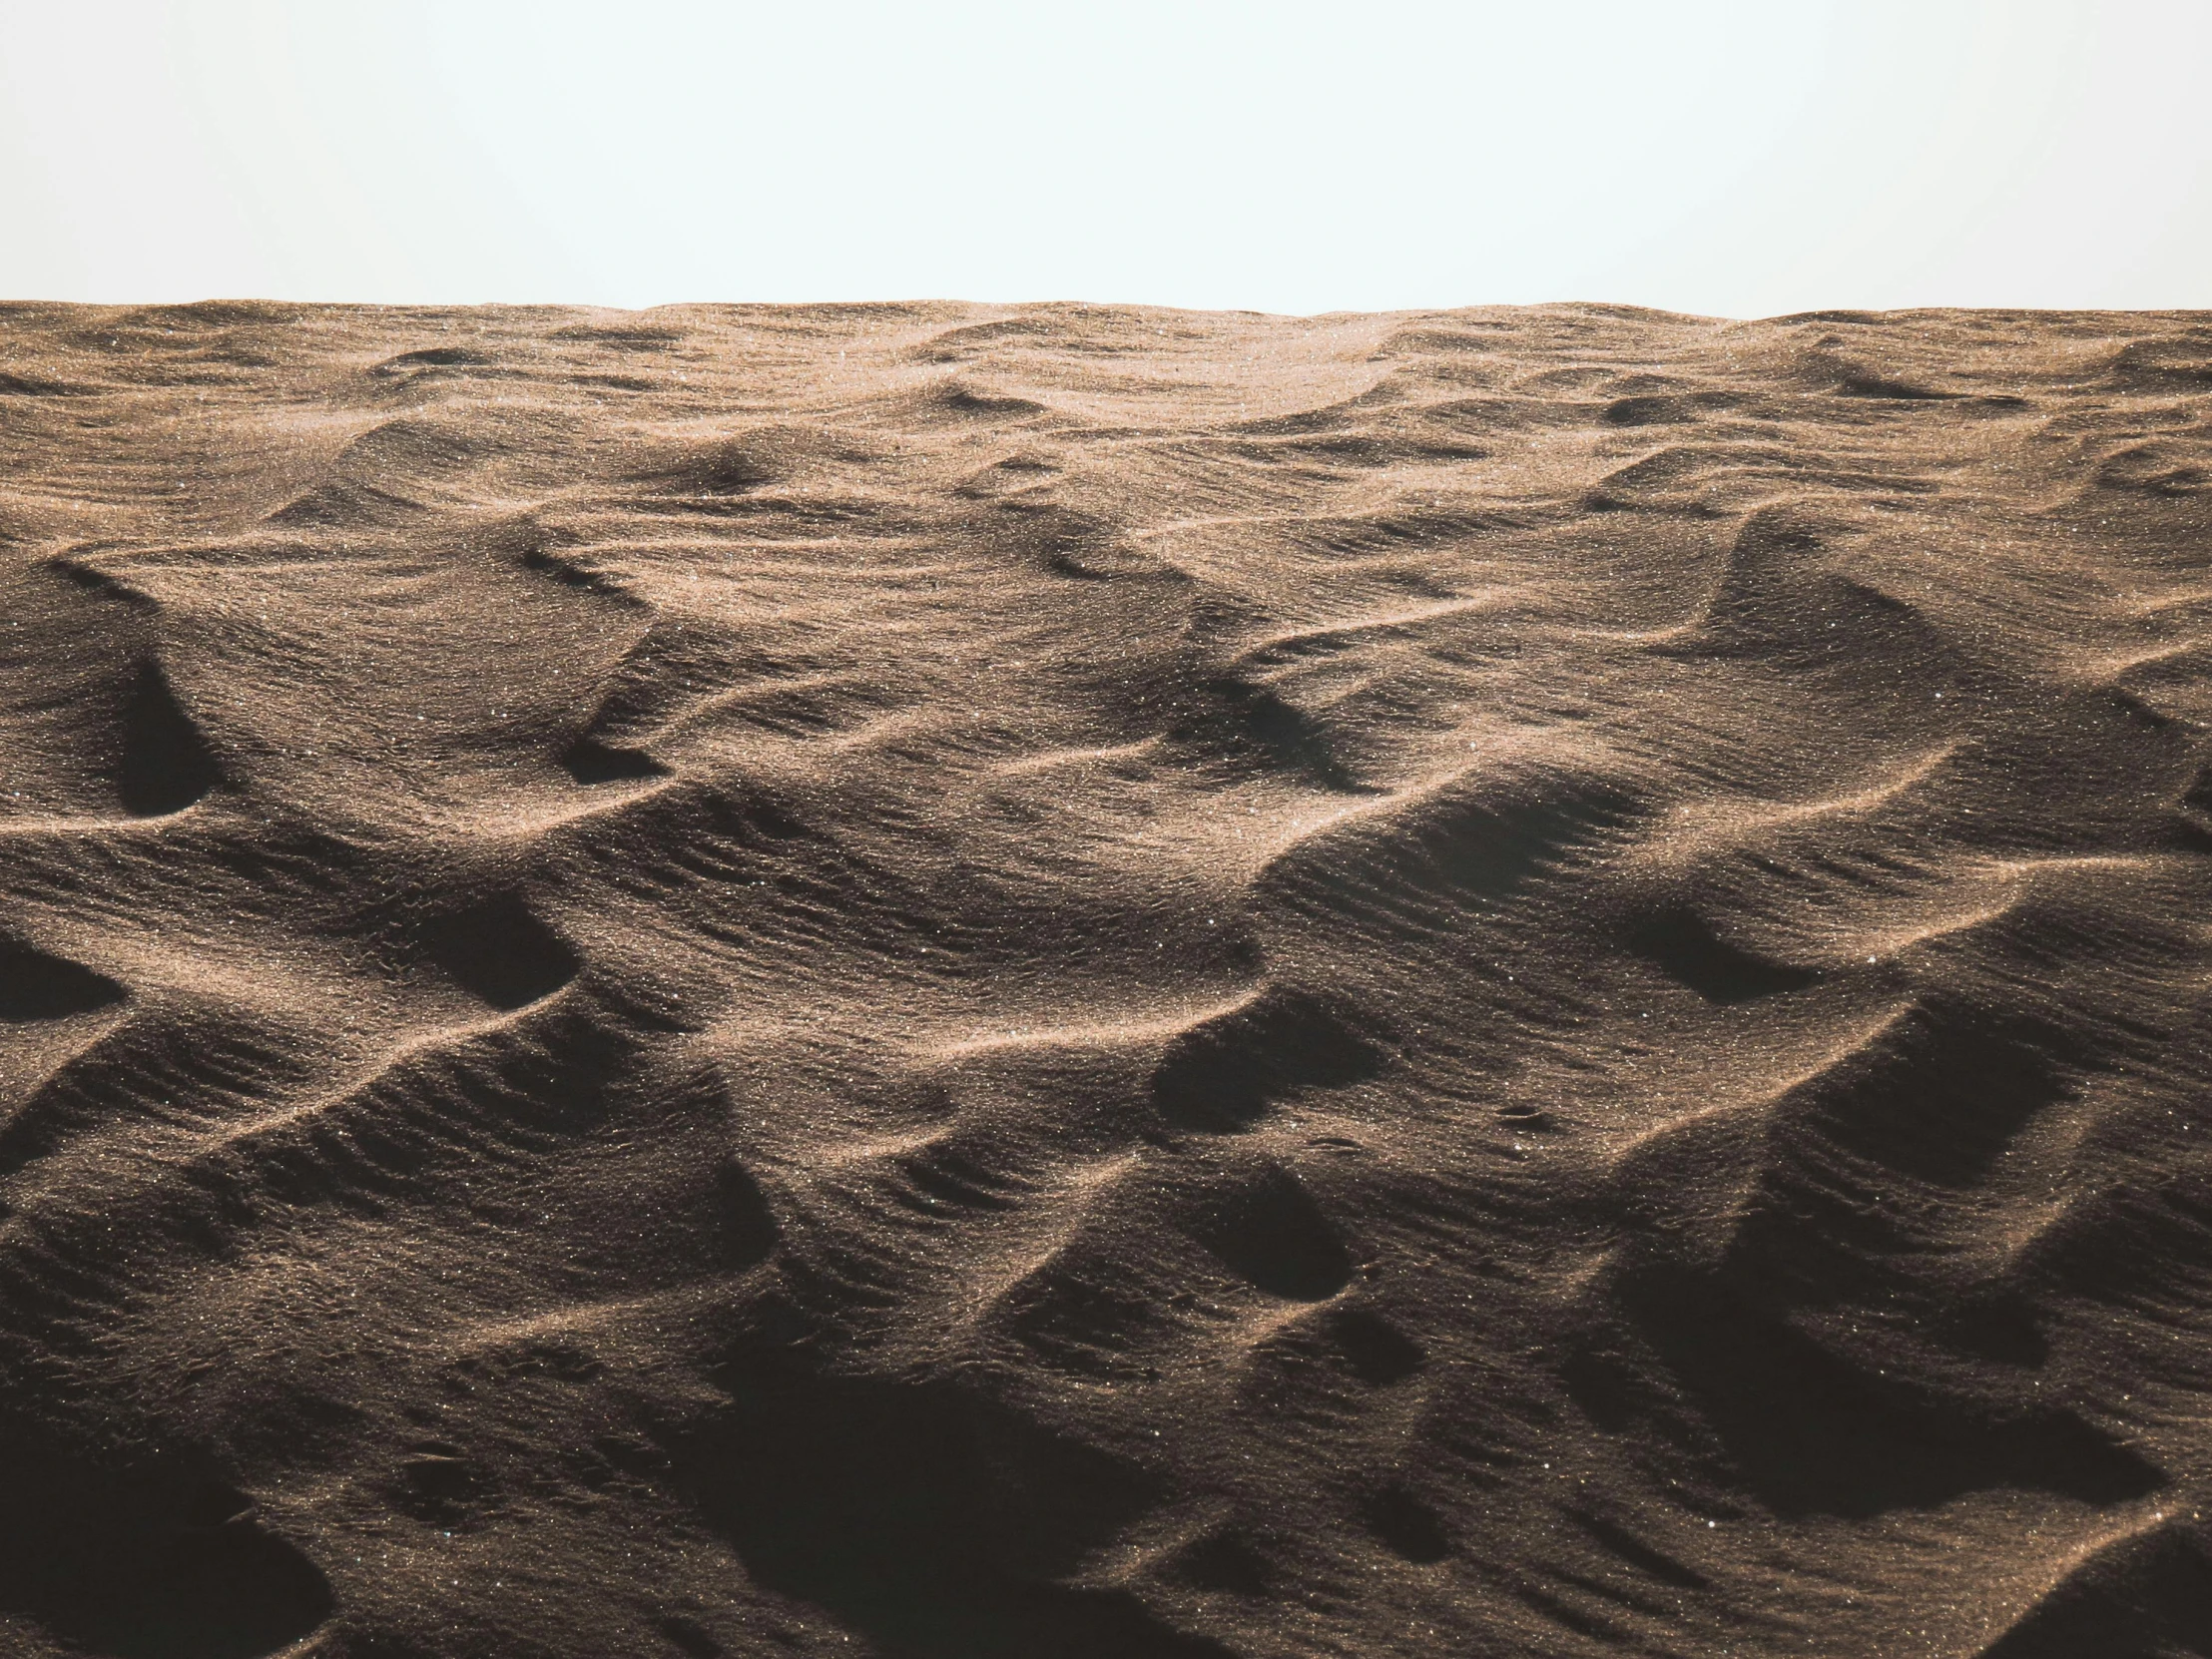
[(965, 982)]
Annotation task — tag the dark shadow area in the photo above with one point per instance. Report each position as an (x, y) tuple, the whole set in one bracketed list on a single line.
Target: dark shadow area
[(748, 1230), (570, 574), (1252, 723), (30, 385), (688, 1636), (932, 1521), (1864, 383), (1376, 1350), (1998, 1324), (147, 1564), (1812, 1431), (500, 953), (2145, 1598), (1226, 1562), (714, 470), (1221, 1074), (1942, 1094), (1408, 1527), (166, 764), (34, 985), (437, 1484), (1671, 408), (432, 356), (1618, 1542), (1269, 1232), (1420, 870), (1685, 947), (2199, 793), (588, 761)]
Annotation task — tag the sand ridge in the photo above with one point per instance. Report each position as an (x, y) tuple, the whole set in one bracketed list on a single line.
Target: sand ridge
[(962, 981)]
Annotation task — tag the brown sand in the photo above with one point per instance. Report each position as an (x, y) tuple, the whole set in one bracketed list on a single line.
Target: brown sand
[(965, 983)]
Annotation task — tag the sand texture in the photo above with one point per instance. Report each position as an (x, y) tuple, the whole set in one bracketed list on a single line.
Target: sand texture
[(1073, 983)]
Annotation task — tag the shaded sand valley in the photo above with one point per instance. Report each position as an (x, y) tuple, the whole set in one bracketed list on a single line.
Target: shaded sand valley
[(964, 982)]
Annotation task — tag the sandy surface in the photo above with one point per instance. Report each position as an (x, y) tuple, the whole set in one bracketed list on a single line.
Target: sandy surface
[(972, 983)]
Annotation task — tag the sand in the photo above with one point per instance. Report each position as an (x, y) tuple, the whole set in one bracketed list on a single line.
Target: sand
[(959, 982)]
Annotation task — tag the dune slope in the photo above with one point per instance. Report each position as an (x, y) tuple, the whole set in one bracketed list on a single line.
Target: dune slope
[(962, 983)]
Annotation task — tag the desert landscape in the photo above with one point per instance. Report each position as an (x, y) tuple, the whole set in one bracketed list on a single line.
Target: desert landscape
[(1063, 982)]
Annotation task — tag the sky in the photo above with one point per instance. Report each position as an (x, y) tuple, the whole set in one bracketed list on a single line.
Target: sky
[(1730, 158)]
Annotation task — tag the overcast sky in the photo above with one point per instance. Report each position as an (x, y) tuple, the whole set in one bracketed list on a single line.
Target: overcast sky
[(1733, 158)]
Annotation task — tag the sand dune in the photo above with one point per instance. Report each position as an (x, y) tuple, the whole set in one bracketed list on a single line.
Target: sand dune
[(973, 983)]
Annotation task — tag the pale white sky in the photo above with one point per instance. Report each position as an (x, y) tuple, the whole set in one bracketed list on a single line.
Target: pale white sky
[(1737, 157)]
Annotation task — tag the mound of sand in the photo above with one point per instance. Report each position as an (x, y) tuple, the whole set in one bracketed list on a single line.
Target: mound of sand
[(973, 983)]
